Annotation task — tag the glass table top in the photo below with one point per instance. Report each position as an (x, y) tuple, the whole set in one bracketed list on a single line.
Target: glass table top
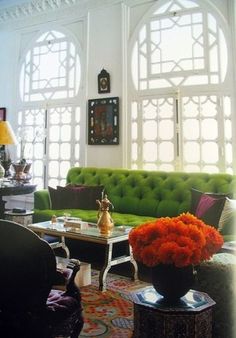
[(86, 229)]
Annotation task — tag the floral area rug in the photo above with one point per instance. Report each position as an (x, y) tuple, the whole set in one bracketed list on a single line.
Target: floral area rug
[(109, 313)]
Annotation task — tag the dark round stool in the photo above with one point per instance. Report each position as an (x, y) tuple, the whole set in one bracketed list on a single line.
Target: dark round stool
[(217, 278)]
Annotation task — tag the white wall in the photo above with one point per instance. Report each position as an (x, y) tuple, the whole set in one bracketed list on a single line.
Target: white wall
[(104, 51)]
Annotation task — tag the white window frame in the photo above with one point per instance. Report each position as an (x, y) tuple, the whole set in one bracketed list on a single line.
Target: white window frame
[(222, 89), (73, 101)]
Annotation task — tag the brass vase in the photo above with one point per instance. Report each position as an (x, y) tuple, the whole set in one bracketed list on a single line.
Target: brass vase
[(105, 222)]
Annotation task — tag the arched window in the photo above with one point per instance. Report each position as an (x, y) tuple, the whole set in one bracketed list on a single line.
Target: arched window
[(181, 114), (49, 121)]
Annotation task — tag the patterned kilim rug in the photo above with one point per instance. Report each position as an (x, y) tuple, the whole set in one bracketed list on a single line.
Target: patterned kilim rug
[(109, 313)]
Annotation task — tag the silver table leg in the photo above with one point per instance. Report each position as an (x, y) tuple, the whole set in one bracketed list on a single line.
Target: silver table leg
[(106, 267), (109, 262)]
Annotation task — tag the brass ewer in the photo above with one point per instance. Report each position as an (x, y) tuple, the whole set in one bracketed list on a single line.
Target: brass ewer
[(105, 222)]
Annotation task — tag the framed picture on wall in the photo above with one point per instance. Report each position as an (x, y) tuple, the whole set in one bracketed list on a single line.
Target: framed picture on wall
[(103, 121), (103, 82), (2, 114)]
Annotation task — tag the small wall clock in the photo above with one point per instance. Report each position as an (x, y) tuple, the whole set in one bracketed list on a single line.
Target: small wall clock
[(103, 82)]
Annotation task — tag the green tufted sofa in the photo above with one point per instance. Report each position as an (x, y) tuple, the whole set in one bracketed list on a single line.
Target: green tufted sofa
[(137, 195)]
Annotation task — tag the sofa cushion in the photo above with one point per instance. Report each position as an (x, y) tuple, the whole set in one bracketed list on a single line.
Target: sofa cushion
[(90, 216), (75, 196), (62, 198), (86, 195), (55, 202), (70, 197), (207, 206), (59, 300), (228, 217)]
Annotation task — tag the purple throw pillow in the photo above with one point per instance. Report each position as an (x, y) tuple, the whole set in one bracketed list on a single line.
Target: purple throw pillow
[(207, 206)]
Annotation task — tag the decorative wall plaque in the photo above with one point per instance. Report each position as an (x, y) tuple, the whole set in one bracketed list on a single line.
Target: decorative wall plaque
[(103, 121), (103, 82)]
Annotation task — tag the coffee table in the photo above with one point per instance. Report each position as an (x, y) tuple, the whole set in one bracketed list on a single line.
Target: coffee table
[(91, 234)]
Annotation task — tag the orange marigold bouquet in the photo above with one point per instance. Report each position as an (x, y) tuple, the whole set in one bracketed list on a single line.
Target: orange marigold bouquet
[(182, 240)]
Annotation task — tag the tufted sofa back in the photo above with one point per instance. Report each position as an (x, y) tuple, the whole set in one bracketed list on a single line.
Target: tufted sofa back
[(152, 193)]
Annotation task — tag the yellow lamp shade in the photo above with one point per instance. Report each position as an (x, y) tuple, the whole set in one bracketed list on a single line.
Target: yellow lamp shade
[(7, 135)]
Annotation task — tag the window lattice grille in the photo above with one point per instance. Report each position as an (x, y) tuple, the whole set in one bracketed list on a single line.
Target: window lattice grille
[(180, 47), (50, 77), (181, 116), (51, 69)]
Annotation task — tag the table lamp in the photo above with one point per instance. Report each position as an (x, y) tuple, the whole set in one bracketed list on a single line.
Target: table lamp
[(7, 136)]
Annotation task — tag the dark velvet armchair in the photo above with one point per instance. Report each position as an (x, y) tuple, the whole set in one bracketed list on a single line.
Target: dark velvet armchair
[(29, 307)]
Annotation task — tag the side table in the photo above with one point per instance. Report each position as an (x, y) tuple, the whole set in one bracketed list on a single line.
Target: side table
[(12, 189), (192, 318), (24, 218)]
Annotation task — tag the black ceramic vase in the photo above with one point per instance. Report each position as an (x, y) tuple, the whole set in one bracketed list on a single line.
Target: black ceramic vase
[(172, 282), (6, 165)]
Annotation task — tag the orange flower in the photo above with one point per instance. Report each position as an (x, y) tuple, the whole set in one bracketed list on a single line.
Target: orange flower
[(181, 240)]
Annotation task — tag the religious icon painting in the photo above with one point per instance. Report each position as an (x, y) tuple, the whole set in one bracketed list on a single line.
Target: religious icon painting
[(103, 82), (103, 121)]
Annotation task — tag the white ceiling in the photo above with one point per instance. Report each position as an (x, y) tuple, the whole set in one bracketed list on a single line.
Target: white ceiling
[(9, 3)]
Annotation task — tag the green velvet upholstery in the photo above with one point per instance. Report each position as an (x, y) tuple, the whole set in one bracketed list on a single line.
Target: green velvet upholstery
[(137, 195), (217, 278)]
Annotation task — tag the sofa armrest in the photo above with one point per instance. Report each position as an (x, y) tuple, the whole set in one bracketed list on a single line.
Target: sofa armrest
[(42, 200)]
